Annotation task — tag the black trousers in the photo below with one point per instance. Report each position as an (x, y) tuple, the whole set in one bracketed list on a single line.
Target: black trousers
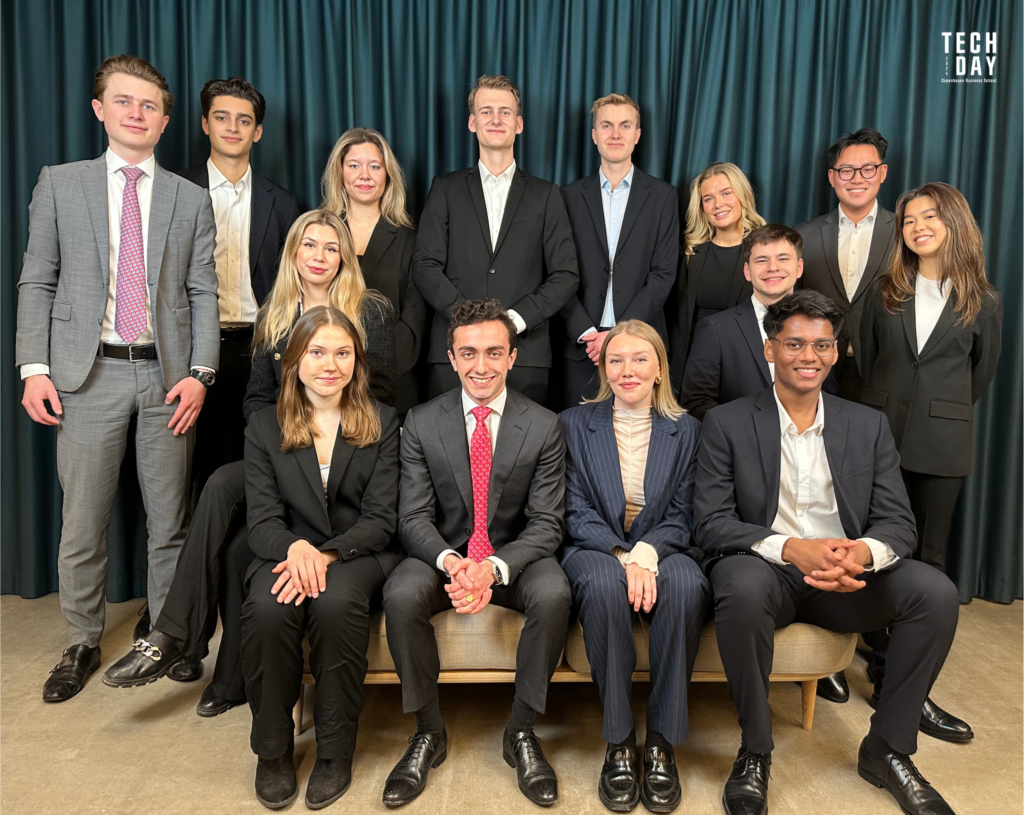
[(574, 380), (338, 624), (754, 598), (530, 382), (933, 499), (415, 592), (210, 576), (600, 596)]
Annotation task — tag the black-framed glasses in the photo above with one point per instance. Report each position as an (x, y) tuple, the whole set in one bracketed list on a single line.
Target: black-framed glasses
[(867, 172), (793, 347)]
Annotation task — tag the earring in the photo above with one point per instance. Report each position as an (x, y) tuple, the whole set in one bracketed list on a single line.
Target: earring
[(657, 380)]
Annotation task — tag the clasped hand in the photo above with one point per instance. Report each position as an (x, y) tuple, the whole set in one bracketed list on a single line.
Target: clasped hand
[(641, 587), (829, 564), (593, 343), (470, 587), (303, 574)]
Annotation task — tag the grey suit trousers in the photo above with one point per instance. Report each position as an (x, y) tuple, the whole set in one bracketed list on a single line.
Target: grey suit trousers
[(91, 441)]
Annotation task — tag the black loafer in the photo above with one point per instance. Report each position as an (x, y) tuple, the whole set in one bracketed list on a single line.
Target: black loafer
[(148, 660), (937, 723), (897, 773), (328, 781), (537, 780), (746, 791), (834, 688), (660, 790), (210, 704), (68, 676), (409, 776), (618, 788), (144, 625), (276, 785), (186, 669)]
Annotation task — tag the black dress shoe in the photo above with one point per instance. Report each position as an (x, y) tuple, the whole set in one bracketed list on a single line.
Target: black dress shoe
[(897, 773), (148, 660), (660, 791), (834, 688), (746, 791), (144, 625), (186, 669), (937, 723), (618, 788), (210, 704), (328, 781), (409, 777), (68, 676), (537, 780), (276, 786)]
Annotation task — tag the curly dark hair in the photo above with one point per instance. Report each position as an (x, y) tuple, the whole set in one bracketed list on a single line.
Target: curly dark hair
[(802, 303), (474, 312)]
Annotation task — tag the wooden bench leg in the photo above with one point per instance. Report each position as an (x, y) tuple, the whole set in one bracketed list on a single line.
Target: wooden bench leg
[(297, 710), (808, 689)]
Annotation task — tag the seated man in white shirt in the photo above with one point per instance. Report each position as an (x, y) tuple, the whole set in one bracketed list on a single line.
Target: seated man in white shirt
[(807, 488)]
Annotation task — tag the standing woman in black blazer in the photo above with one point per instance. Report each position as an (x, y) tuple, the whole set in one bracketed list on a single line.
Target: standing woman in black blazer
[(321, 483), (720, 214), (363, 183), (931, 336)]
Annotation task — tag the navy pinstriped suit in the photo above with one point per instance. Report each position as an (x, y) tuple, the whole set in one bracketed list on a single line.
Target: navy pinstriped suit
[(595, 511)]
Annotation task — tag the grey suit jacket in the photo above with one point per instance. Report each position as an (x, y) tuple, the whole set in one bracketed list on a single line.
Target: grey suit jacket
[(526, 498), (739, 467), (62, 293)]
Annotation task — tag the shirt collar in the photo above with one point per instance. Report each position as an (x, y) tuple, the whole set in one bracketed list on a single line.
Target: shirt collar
[(217, 178), (869, 218), (115, 163), (497, 404), (625, 184), (760, 309), (788, 427), (486, 176)]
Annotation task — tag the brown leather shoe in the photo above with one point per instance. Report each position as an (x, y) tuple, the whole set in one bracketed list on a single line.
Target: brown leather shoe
[(68, 676)]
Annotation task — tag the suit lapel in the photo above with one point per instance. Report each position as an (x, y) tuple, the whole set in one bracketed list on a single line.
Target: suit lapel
[(830, 243), (661, 452), (451, 429), (637, 196), (380, 240), (165, 190), (942, 325), (511, 435), (476, 192), (769, 443), (738, 281), (607, 475), (262, 204), (340, 459), (515, 194), (310, 466), (881, 239), (746, 319), (908, 317), (94, 184), (592, 197), (835, 434)]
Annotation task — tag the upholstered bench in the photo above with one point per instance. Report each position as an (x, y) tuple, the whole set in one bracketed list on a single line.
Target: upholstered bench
[(482, 648)]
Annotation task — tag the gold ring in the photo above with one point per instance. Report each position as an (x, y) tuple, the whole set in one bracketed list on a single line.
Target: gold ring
[(469, 599)]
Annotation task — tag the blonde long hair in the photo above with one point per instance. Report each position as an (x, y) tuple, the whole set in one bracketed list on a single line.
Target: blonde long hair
[(698, 228), (664, 401), (360, 420), (332, 185)]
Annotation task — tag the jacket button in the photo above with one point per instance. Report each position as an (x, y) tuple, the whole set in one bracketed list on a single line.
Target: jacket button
[(903, 404), (913, 364), (469, 531), (492, 271), (352, 552)]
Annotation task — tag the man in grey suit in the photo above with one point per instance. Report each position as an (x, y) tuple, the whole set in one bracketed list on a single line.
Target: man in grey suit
[(802, 516), (117, 316), (481, 514)]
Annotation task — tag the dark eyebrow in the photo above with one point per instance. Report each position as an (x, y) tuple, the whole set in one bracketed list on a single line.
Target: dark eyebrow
[(228, 112)]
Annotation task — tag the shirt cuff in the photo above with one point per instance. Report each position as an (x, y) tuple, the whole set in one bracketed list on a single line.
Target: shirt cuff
[(881, 553), (591, 330), (502, 567), (771, 548), (442, 556), (643, 555), (202, 368), (34, 369), (519, 321)]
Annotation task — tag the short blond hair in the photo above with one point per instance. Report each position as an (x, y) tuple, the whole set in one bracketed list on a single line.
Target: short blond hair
[(614, 99), (132, 66), (496, 82)]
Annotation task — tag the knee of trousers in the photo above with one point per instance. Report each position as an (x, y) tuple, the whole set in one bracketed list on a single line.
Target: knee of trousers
[(931, 592), (264, 616), (552, 600), (227, 483), (743, 586), (406, 600), (681, 584)]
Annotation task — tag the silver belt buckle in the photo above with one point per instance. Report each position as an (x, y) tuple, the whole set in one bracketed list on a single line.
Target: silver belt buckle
[(131, 355)]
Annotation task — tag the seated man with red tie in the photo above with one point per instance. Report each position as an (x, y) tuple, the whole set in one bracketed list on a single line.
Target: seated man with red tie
[(481, 514)]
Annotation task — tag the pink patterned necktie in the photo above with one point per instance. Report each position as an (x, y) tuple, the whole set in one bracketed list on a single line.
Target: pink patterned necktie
[(130, 308), (480, 464)]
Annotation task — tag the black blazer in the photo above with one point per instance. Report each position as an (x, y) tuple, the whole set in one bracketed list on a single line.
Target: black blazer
[(595, 499), (821, 269), (927, 397), (645, 259), (740, 464), (274, 210), (687, 284), (286, 502), (532, 271), (526, 498)]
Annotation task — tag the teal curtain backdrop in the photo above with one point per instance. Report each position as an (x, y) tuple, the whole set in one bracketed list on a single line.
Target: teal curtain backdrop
[(768, 85)]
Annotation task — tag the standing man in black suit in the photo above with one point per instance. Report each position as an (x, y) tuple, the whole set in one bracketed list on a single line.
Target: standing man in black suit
[(846, 249), (493, 231), (802, 515), (481, 514), (626, 227)]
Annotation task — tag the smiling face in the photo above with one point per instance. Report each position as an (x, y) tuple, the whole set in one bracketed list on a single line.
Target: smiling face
[(773, 269), (804, 372), (326, 367), (363, 173), (494, 119), (482, 359), (857, 194), (318, 256), (923, 229), (721, 205), (631, 365), (615, 132), (132, 113), (231, 126)]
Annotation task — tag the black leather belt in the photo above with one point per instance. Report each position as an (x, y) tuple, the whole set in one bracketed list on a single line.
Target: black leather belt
[(133, 353), (236, 332)]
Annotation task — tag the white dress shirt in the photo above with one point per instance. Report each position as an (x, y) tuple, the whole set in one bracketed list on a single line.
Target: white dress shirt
[(854, 245), (232, 210), (760, 309), (928, 304), (807, 496), (496, 189), (493, 422)]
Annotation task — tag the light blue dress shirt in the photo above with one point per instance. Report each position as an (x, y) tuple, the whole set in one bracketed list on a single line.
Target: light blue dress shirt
[(614, 204)]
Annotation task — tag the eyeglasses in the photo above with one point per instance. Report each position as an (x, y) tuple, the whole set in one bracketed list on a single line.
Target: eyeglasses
[(793, 347), (867, 172)]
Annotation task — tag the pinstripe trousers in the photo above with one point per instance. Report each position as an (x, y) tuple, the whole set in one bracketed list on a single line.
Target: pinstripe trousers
[(599, 591)]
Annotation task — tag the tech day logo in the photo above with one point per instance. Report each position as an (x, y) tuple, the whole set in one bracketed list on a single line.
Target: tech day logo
[(970, 57)]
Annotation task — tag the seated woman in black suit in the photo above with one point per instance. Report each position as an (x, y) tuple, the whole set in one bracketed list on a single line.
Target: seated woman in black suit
[(318, 267), (630, 470), (321, 473)]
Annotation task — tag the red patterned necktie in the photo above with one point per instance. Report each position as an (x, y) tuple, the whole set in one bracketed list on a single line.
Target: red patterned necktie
[(480, 464), (130, 309)]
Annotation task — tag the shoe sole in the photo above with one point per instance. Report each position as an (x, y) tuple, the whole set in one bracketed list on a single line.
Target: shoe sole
[(137, 683), (511, 763), (628, 807), (437, 763), (661, 808), (329, 801), (278, 804)]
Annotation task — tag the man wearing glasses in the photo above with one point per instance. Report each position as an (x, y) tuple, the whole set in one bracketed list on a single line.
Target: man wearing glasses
[(802, 515)]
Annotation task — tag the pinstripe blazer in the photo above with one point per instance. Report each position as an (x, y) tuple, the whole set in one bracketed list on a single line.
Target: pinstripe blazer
[(595, 498)]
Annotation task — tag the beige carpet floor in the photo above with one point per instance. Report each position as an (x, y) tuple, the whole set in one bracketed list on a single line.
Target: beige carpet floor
[(145, 751)]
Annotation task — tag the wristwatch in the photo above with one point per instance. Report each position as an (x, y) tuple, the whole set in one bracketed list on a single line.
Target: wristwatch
[(206, 377), (499, 580)]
